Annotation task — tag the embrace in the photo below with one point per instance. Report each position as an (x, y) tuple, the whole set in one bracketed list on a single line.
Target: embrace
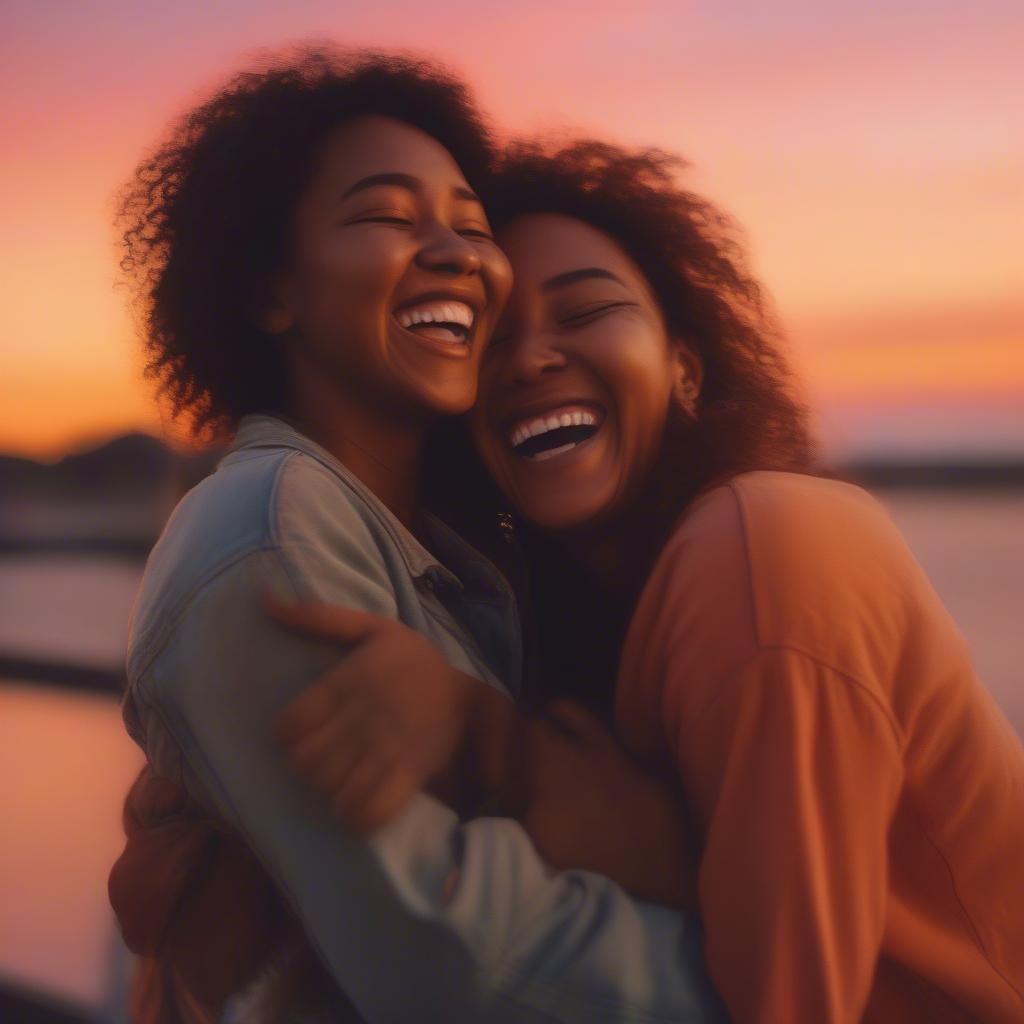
[(518, 663)]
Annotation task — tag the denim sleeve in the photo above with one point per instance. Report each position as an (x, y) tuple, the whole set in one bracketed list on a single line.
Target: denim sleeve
[(430, 920)]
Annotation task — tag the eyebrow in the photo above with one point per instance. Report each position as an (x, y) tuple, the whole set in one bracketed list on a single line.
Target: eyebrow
[(406, 181), (583, 274)]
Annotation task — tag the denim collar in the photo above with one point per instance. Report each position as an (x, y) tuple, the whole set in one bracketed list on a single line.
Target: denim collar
[(259, 432)]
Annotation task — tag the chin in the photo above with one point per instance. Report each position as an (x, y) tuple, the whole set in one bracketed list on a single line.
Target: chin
[(564, 515), (450, 401)]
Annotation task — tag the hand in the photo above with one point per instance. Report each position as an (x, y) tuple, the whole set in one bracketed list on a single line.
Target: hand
[(190, 894), (390, 717), (587, 804)]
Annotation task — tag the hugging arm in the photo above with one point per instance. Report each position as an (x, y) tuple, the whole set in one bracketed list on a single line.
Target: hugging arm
[(469, 918), (412, 717)]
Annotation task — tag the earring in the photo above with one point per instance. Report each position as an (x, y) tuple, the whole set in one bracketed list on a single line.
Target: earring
[(686, 395), (507, 527)]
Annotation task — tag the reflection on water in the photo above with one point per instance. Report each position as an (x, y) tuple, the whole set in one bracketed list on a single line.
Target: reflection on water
[(65, 760), (66, 608), (972, 547), (65, 763)]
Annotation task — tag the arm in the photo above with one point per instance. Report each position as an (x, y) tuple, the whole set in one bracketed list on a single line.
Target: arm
[(527, 941), (795, 773), (792, 768), (393, 716)]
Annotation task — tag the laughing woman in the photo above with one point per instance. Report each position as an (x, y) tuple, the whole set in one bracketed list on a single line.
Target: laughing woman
[(319, 279)]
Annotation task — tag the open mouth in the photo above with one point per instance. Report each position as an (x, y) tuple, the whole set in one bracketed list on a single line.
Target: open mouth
[(444, 320), (554, 433)]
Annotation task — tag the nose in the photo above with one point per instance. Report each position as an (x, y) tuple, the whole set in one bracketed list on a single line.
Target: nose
[(446, 252), (531, 355)]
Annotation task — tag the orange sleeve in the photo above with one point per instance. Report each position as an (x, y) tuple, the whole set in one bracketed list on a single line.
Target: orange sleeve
[(794, 772)]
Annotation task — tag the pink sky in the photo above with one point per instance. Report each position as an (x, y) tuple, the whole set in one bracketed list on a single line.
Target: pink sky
[(873, 157)]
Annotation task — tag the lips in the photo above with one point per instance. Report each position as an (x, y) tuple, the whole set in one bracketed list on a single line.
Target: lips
[(544, 434), (440, 317)]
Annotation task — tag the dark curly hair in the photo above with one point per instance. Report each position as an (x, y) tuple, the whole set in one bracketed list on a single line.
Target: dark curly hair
[(689, 252), (749, 416), (204, 219)]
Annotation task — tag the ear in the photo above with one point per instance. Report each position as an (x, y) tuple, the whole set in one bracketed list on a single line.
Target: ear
[(687, 369)]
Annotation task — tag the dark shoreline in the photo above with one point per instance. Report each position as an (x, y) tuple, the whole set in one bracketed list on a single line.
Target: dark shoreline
[(953, 476)]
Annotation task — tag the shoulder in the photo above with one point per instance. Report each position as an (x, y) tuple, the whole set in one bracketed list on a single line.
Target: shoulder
[(784, 526), (803, 510), (773, 559), (828, 572), (277, 505)]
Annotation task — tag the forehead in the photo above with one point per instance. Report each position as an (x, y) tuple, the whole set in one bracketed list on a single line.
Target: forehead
[(542, 245), (381, 145)]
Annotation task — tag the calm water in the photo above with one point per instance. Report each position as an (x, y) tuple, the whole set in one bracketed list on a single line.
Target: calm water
[(65, 760)]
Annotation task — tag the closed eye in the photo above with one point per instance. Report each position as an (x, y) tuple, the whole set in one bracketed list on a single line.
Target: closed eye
[(585, 316), (477, 233), (382, 219)]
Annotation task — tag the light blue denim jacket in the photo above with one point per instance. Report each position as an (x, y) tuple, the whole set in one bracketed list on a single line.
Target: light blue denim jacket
[(514, 940)]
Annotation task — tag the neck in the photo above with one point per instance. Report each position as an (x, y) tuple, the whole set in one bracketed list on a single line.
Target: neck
[(383, 451), (617, 556)]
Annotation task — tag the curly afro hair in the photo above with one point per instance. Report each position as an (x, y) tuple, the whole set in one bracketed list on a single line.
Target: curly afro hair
[(748, 414), (204, 219)]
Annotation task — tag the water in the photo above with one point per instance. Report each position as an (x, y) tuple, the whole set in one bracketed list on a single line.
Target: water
[(971, 545), (65, 760)]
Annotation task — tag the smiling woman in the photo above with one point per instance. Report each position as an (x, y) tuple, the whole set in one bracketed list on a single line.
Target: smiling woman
[(264, 199)]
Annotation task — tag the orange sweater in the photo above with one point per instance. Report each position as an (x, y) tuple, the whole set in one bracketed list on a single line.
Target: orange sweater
[(858, 798)]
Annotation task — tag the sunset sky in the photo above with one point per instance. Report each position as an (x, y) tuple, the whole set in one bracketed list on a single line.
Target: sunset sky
[(874, 155)]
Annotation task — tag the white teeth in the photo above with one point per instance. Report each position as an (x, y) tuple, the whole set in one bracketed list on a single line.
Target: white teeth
[(542, 424), (437, 312)]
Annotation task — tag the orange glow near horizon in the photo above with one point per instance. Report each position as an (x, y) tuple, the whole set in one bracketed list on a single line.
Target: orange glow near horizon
[(872, 160)]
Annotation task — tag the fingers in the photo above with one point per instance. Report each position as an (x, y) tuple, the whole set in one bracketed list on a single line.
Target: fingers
[(358, 767), (323, 698), (346, 626), (325, 756), (375, 791), (352, 752), (302, 716)]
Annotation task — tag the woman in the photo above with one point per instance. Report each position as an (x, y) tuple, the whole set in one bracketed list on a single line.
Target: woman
[(856, 797), (319, 278)]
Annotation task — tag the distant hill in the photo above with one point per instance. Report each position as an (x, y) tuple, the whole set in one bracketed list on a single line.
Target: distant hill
[(1002, 474), (113, 498), (125, 464)]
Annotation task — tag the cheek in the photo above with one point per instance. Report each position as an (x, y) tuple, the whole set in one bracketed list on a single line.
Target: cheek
[(641, 382), (498, 273), (349, 279), (636, 367)]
